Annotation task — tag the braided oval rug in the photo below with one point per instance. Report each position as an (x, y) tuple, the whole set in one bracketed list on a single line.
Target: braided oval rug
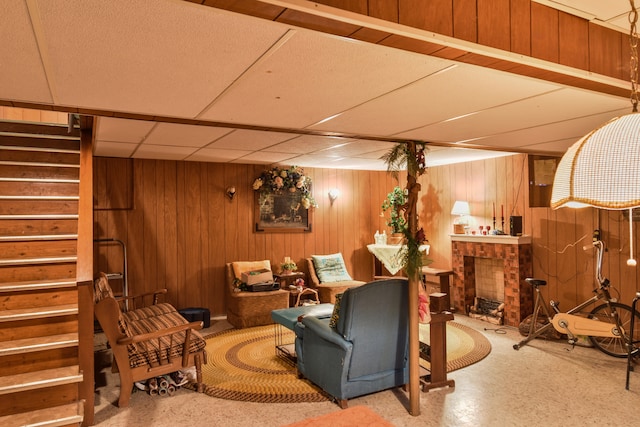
[(243, 365)]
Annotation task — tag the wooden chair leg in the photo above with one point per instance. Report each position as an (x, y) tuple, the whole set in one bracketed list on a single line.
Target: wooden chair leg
[(198, 362), (126, 387)]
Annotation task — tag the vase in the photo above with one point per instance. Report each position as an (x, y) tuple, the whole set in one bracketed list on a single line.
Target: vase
[(395, 239)]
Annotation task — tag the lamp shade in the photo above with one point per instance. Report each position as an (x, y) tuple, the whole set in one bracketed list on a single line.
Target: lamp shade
[(460, 208), (602, 169)]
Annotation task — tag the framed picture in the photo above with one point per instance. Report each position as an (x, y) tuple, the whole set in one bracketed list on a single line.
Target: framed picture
[(281, 212)]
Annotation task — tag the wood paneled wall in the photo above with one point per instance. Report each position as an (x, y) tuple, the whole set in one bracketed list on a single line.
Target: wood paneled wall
[(180, 228), (558, 235)]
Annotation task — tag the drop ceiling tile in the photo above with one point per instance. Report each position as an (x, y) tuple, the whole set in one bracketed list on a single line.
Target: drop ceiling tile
[(114, 149), (163, 152), (23, 75), (534, 136), (459, 155), (251, 139), (171, 59), (559, 146), (454, 92), (313, 76), (184, 135), (358, 148), (122, 130), (261, 157), (308, 144), (552, 107), (217, 155)]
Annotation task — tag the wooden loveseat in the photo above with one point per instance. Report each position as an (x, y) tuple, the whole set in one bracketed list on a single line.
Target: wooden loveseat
[(148, 341), (327, 290)]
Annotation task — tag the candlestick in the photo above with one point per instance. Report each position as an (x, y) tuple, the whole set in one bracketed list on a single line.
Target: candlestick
[(494, 209), (502, 208)]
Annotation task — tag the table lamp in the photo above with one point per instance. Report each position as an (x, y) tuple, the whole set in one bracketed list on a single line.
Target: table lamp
[(460, 224)]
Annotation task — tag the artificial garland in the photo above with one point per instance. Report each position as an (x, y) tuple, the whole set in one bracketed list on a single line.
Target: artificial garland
[(400, 155), (280, 180)]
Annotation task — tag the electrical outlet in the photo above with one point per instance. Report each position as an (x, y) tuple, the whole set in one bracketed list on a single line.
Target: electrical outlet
[(596, 235)]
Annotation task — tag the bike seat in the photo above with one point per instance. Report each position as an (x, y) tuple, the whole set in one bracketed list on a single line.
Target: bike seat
[(535, 282)]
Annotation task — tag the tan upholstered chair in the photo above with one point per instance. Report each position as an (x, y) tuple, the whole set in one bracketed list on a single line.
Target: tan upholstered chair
[(327, 291), (246, 309)]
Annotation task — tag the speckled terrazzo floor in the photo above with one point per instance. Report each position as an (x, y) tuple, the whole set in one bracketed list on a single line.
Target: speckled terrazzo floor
[(543, 384)]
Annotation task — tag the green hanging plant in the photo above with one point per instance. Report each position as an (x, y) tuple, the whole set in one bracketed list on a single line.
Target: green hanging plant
[(395, 202), (399, 156)]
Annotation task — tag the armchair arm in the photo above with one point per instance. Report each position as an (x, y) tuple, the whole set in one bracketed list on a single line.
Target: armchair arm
[(133, 298), (322, 331), (161, 333)]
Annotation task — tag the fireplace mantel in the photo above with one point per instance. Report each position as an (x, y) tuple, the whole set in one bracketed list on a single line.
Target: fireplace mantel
[(515, 252), (504, 239)]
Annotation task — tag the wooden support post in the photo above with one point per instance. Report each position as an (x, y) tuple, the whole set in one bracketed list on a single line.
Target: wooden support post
[(438, 353)]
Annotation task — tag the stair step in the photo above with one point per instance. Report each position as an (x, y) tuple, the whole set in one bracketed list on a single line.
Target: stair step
[(38, 207), (62, 415), (36, 285), (42, 260), (38, 237), (38, 313), (40, 379), (40, 149), (38, 164), (43, 216), (28, 345), (17, 188), (40, 180), (29, 227), (40, 171), (23, 127), (40, 198)]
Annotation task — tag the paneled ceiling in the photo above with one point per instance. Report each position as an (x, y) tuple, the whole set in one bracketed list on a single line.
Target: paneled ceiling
[(226, 87)]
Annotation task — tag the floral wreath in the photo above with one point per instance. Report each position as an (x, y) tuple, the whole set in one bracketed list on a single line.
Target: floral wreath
[(291, 179)]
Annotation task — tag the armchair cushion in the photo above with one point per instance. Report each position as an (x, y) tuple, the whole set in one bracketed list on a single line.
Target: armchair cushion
[(330, 268), (327, 291)]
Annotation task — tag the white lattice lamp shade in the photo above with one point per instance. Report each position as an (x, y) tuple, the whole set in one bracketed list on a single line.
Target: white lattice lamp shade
[(602, 169)]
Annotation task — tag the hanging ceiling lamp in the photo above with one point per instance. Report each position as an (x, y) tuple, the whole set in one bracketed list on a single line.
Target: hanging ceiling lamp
[(602, 169)]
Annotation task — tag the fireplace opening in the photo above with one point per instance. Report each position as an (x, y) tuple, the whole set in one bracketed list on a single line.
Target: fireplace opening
[(488, 304)]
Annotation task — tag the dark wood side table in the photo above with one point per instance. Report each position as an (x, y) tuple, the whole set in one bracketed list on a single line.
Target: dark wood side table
[(286, 279)]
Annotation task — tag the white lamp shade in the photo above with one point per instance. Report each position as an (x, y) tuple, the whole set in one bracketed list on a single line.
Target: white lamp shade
[(460, 208), (602, 169)]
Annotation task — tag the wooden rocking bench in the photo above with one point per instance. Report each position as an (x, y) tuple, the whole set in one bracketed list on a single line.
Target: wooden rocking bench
[(149, 341)]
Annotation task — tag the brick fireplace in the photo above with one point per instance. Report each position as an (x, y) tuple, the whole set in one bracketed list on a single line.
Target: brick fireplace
[(516, 254)]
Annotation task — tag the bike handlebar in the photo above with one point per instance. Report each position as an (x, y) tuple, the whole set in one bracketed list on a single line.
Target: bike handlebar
[(599, 245)]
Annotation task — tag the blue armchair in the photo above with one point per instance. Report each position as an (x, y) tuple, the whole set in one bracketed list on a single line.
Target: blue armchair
[(367, 351)]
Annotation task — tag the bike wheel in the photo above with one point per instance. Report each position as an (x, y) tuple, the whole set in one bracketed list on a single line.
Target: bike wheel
[(615, 347)]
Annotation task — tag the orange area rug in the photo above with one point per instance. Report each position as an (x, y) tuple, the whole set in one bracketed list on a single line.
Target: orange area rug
[(357, 416)]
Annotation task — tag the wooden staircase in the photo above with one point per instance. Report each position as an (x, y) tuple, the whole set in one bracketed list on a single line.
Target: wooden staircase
[(40, 371)]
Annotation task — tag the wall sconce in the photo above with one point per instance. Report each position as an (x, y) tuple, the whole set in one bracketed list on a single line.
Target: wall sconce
[(334, 193), (461, 224), (230, 192)]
